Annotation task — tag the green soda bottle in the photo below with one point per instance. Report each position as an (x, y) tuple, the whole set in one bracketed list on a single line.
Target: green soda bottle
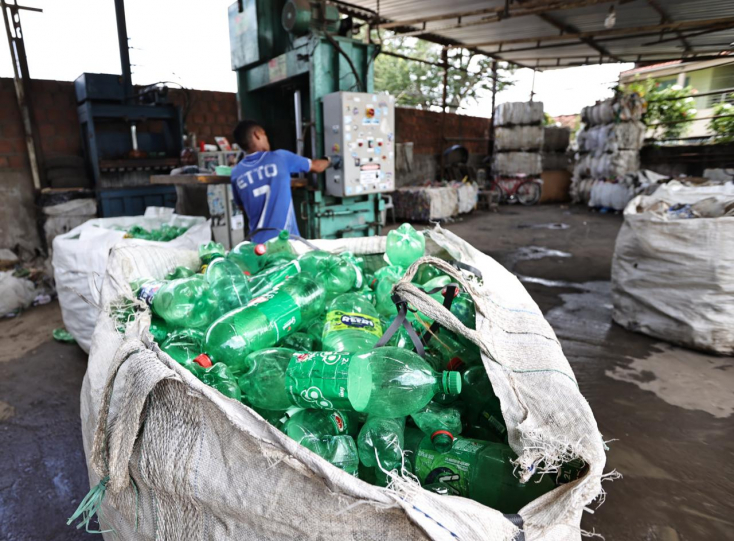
[(385, 279), (413, 439), (382, 440), (220, 377), (227, 286), (315, 330), (179, 272), (479, 470), (446, 346), (385, 382), (266, 280), (181, 303), (252, 258), (484, 413), (441, 423), (310, 427), (404, 246), (336, 274), (184, 346), (262, 379), (341, 451), (210, 251), (352, 325), (159, 329), (299, 341), (264, 321), (425, 273)]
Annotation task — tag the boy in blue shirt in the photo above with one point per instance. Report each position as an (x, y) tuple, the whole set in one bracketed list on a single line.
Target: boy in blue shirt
[(261, 182)]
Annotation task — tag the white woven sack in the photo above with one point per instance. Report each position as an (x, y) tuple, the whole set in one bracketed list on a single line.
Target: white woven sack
[(181, 461), (674, 279), (80, 259), (518, 138)]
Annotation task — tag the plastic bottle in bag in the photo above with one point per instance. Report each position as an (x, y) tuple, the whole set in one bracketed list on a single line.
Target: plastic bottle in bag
[(480, 470), (267, 279), (352, 325), (184, 346), (262, 378), (385, 279), (227, 286), (382, 439), (210, 251), (441, 423), (265, 320), (404, 246), (336, 274), (252, 258), (384, 382), (179, 272), (182, 303), (483, 412), (310, 427), (221, 378)]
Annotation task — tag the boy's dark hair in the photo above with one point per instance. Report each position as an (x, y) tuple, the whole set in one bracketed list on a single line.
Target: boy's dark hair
[(243, 133)]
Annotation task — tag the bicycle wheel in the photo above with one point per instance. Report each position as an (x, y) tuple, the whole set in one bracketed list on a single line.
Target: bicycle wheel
[(528, 193), (496, 192)]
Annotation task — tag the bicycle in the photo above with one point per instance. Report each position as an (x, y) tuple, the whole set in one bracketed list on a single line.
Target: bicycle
[(526, 191)]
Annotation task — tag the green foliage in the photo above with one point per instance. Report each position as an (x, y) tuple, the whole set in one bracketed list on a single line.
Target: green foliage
[(421, 85), (723, 128), (548, 120), (662, 109)]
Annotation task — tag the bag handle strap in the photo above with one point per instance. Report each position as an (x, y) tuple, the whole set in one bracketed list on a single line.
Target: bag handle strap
[(401, 320), (450, 292)]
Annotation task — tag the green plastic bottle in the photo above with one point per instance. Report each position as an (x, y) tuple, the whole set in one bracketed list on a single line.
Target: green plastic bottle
[(483, 410), (159, 329), (210, 251), (299, 341), (336, 274), (252, 258), (310, 427), (412, 443), (341, 451), (479, 470), (179, 272), (384, 382), (221, 378), (385, 279), (264, 321), (262, 379), (181, 303), (404, 246), (441, 423), (452, 352), (227, 286), (267, 279), (382, 439), (184, 346), (426, 272), (352, 325), (315, 330)]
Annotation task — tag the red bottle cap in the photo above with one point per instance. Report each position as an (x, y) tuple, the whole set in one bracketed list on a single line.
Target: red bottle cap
[(455, 364), (203, 360), (445, 290), (260, 249), (439, 432)]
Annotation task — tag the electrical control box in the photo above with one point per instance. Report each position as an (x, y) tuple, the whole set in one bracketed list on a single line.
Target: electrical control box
[(360, 128)]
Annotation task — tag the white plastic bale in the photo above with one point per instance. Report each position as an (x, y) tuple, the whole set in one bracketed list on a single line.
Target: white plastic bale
[(184, 462), (611, 138), (674, 278), (607, 166), (518, 138), (519, 113), (518, 163), (80, 259), (625, 107)]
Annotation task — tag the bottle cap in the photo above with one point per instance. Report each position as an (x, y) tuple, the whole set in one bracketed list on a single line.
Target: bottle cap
[(260, 249), (203, 360), (456, 364), (451, 383), (442, 440)]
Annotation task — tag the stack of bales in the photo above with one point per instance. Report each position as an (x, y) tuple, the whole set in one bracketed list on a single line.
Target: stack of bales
[(608, 148), (555, 145), (518, 139)]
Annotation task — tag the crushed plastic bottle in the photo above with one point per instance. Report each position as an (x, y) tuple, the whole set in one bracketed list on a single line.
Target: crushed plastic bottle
[(386, 278), (336, 274), (266, 280), (262, 379), (159, 329), (181, 303), (264, 321), (210, 251), (425, 273), (352, 325), (221, 378), (382, 440), (309, 427), (404, 246), (385, 382), (441, 423), (484, 413), (179, 272), (251, 258), (299, 341), (227, 286), (341, 451)]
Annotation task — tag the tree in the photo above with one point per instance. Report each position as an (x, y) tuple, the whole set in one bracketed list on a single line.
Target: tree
[(420, 85), (723, 128), (670, 106)]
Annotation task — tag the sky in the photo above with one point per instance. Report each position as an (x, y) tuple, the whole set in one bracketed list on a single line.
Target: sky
[(187, 42)]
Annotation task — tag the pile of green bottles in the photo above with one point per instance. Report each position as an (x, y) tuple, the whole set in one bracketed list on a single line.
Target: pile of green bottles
[(164, 233), (293, 337)]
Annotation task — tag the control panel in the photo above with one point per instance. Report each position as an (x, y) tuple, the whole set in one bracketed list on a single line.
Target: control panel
[(360, 128)]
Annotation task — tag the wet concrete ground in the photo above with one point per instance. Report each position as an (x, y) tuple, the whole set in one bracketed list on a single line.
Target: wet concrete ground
[(669, 410)]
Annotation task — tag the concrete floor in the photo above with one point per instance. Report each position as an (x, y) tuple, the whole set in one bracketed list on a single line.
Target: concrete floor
[(668, 410)]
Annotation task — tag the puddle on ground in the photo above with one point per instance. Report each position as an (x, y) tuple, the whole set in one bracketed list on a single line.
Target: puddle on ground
[(531, 253), (684, 378), (552, 225), (585, 316)]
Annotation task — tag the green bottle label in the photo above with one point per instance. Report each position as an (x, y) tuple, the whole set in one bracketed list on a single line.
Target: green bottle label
[(318, 380), (282, 312), (336, 320), (450, 468)]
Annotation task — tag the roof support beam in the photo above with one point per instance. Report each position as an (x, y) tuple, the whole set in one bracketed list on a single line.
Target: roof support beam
[(665, 18), (568, 29), (703, 23)]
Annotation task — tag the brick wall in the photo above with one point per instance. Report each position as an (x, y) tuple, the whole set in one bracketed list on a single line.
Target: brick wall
[(423, 128)]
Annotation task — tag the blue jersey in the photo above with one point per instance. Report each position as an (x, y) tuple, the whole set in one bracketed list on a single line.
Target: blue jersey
[(261, 184)]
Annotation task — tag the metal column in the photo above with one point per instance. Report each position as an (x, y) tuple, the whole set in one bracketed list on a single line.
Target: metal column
[(124, 49)]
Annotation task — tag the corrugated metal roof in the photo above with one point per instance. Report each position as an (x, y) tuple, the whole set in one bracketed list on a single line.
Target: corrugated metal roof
[(637, 36)]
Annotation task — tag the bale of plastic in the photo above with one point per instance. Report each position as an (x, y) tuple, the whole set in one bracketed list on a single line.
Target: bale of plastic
[(179, 459), (611, 138), (517, 163), (621, 108), (673, 266), (607, 166), (518, 113), (518, 138), (80, 259)]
